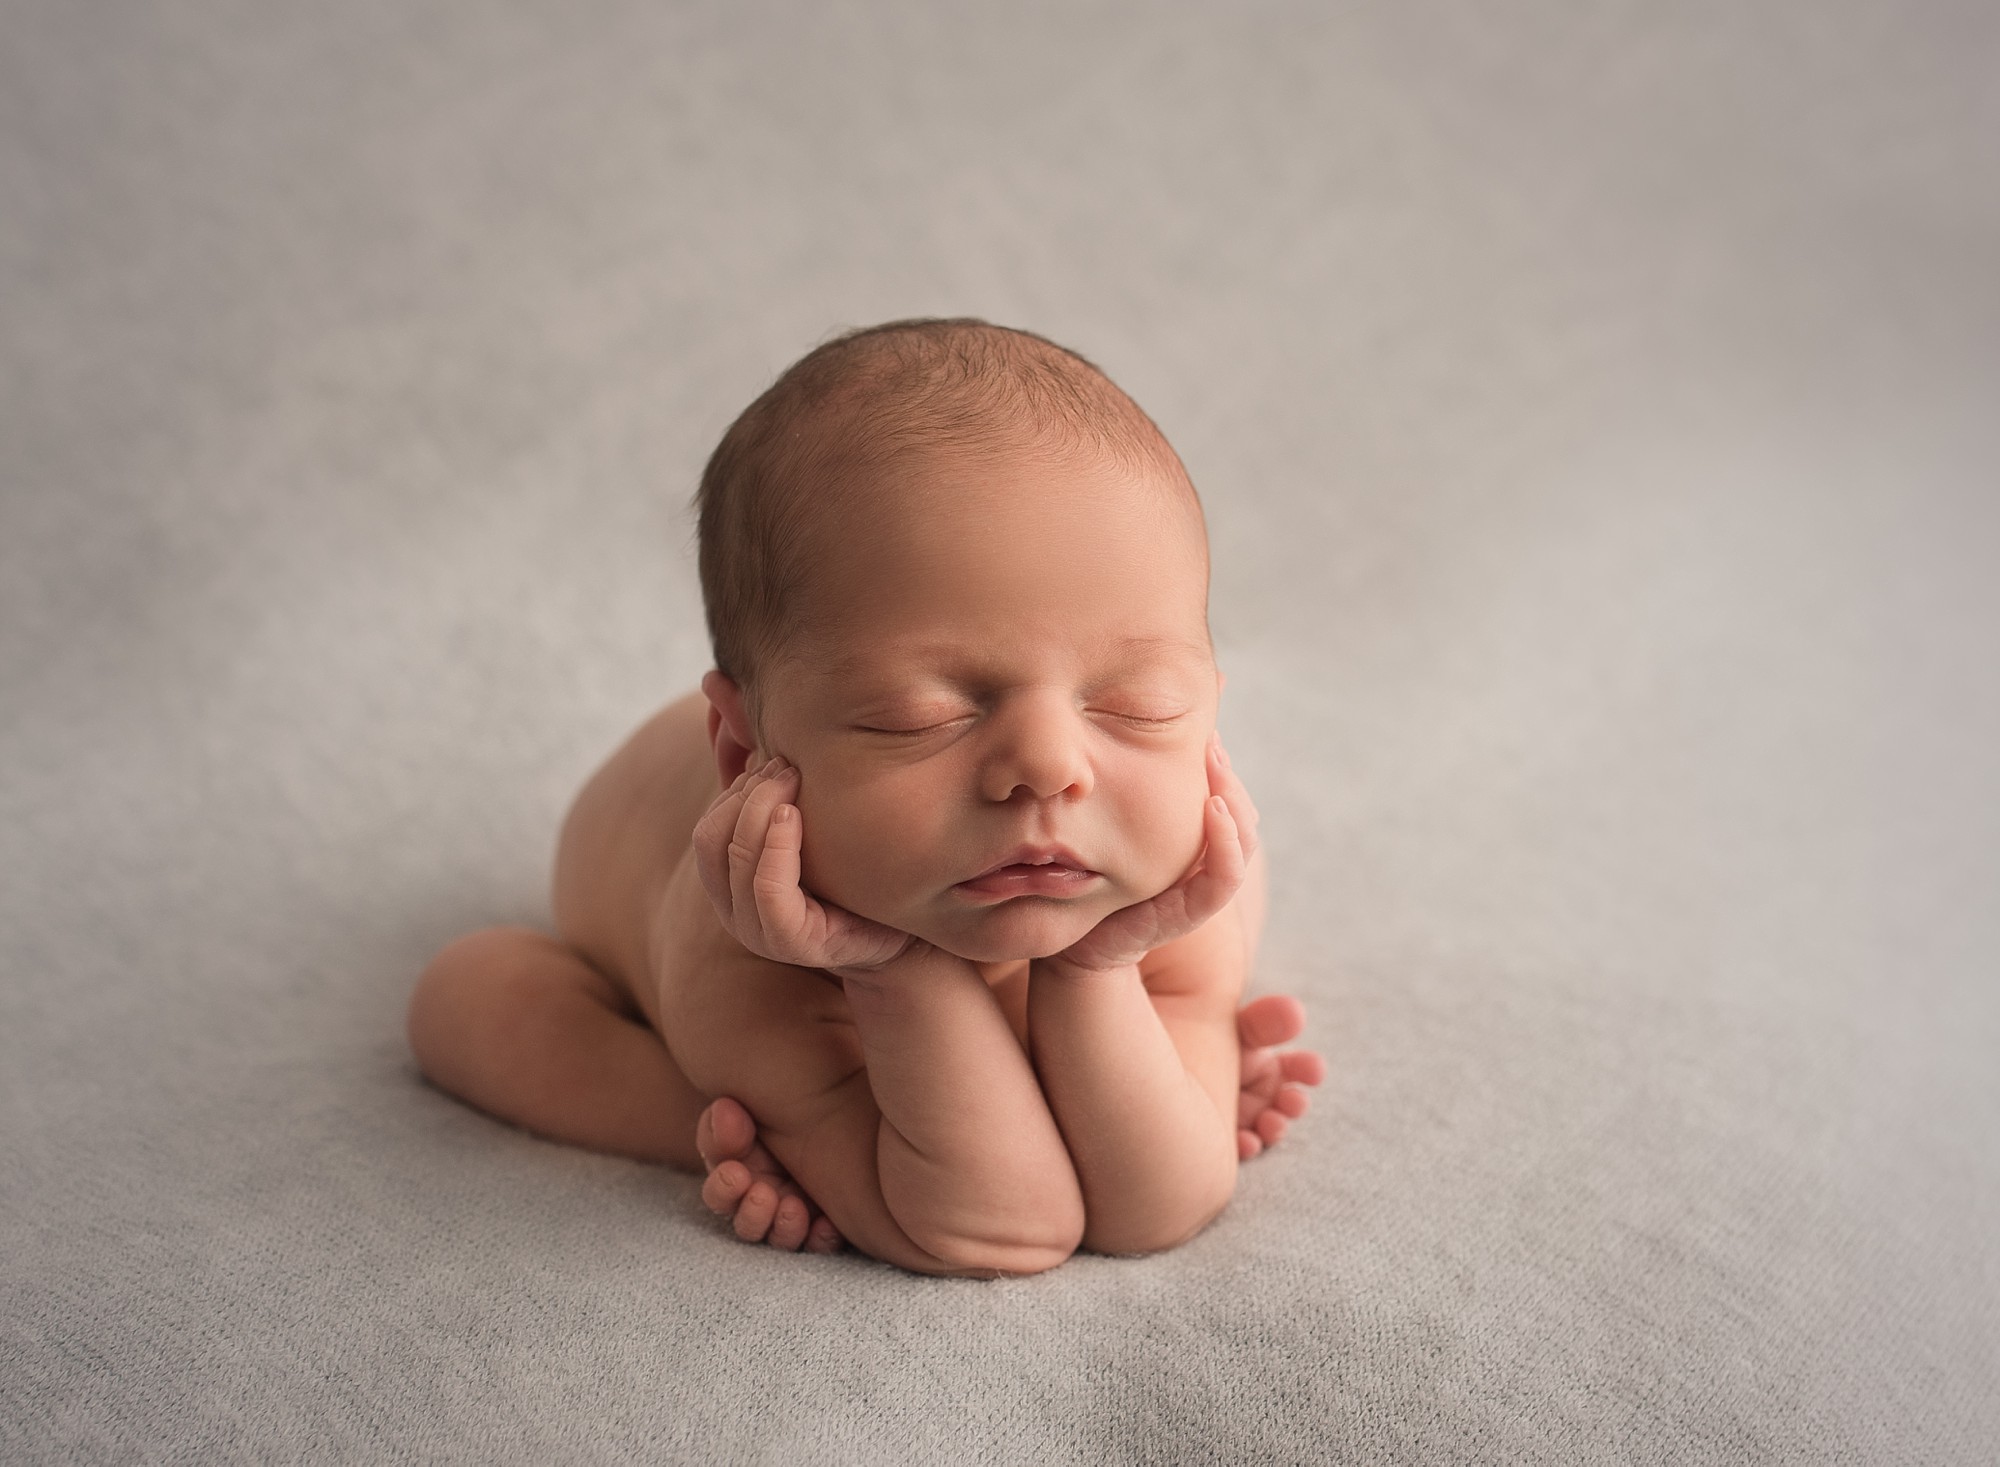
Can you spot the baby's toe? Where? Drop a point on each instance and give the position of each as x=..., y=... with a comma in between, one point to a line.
x=725, y=1187
x=753, y=1217
x=1248, y=1144
x=1251, y=1104
x=824, y=1237
x=1292, y=1101
x=724, y=1131
x=1270, y=1126
x=788, y=1228
x=1276, y=1018
x=1302, y=1066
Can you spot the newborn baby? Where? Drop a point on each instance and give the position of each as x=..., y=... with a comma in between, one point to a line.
x=925, y=924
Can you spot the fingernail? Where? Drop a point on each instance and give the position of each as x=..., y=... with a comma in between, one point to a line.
x=782, y=815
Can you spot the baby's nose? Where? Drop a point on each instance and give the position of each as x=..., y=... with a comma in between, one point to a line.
x=1038, y=754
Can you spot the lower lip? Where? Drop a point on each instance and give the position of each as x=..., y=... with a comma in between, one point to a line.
x=1020, y=881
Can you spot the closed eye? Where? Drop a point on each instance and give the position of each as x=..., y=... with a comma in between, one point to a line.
x=906, y=733
x=1139, y=721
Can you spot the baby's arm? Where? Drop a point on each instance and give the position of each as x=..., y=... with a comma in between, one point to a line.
x=1141, y=1070
x=938, y=1152
x=747, y=1185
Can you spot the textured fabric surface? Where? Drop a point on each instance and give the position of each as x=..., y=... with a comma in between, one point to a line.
x=1593, y=407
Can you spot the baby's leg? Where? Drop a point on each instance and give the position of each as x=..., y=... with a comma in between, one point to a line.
x=520, y=1025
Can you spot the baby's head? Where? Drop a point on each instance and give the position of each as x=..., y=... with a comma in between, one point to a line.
x=960, y=581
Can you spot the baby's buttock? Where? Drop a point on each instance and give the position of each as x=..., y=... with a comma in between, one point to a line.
x=626, y=836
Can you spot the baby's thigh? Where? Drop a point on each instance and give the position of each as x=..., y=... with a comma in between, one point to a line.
x=524, y=1027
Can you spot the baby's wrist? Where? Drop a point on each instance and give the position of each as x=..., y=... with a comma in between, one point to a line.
x=918, y=961
x=1061, y=969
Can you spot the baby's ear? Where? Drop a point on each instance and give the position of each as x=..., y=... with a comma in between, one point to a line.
x=729, y=733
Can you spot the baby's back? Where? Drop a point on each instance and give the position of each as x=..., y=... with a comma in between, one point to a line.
x=626, y=837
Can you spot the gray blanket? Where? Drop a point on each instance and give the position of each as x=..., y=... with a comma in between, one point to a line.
x=1595, y=417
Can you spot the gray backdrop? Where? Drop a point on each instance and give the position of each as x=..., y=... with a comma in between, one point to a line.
x=1593, y=406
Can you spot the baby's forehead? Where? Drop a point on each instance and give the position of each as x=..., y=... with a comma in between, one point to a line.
x=937, y=481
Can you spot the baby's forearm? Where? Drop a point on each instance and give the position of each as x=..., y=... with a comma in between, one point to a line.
x=971, y=1163
x=1155, y=1159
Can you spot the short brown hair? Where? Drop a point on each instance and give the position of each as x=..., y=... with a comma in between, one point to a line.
x=856, y=401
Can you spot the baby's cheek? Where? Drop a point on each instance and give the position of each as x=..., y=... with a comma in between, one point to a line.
x=846, y=856
x=823, y=857
x=1173, y=827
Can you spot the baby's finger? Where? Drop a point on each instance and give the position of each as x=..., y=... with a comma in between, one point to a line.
x=1222, y=781
x=783, y=909
x=1223, y=866
x=711, y=845
x=746, y=846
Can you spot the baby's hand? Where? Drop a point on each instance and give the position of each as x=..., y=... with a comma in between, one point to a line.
x=1229, y=822
x=747, y=849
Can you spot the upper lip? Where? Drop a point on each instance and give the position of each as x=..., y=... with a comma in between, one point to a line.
x=1036, y=856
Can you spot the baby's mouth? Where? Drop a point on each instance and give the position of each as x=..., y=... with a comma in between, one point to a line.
x=1057, y=873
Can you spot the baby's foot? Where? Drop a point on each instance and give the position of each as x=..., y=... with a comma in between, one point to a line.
x=1273, y=1084
x=746, y=1183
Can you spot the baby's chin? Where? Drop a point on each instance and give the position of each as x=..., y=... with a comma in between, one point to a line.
x=1026, y=927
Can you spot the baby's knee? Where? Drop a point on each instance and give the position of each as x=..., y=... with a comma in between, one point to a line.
x=458, y=989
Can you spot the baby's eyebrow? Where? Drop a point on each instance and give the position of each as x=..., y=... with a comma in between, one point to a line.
x=1140, y=644
x=1125, y=650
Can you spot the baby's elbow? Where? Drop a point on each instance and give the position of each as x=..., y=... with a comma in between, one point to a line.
x=1161, y=1230
x=996, y=1256
x=989, y=1262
